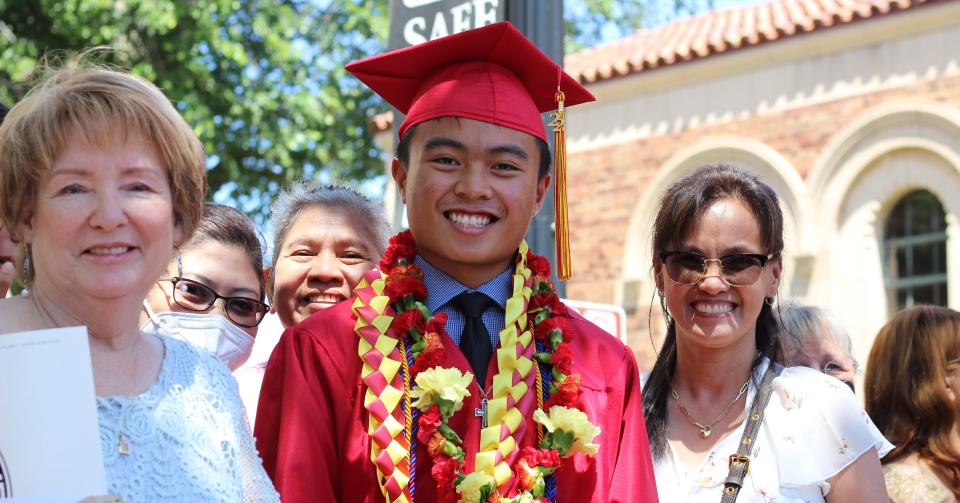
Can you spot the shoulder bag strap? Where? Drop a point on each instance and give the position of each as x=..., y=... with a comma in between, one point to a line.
x=740, y=462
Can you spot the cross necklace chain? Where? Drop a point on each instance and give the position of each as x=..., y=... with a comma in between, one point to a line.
x=706, y=429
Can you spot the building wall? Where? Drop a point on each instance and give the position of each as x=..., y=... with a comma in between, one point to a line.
x=841, y=122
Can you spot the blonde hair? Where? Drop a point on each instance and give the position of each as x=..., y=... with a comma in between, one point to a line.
x=98, y=103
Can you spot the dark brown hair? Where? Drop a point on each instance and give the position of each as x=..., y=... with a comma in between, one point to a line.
x=229, y=226
x=679, y=212
x=906, y=390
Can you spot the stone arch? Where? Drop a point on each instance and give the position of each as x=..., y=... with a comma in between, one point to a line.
x=882, y=129
x=852, y=268
x=862, y=173
x=751, y=155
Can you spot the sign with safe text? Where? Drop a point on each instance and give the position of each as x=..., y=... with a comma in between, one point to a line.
x=413, y=22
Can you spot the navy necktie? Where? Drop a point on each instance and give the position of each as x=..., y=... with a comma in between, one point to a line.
x=475, y=340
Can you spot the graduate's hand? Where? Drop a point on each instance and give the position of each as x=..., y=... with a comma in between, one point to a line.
x=7, y=272
x=107, y=498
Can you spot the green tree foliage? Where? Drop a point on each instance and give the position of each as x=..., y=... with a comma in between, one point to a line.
x=261, y=81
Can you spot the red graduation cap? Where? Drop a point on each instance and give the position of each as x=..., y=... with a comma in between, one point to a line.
x=491, y=74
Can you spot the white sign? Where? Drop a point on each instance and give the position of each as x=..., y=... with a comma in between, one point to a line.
x=612, y=319
x=49, y=432
x=414, y=22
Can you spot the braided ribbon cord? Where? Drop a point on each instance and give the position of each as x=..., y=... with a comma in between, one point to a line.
x=515, y=377
x=385, y=389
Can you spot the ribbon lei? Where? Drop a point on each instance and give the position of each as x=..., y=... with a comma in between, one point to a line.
x=564, y=268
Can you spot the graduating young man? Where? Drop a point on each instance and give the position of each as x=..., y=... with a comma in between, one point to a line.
x=455, y=373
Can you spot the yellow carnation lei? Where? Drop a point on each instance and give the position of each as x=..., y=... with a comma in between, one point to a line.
x=469, y=488
x=572, y=421
x=440, y=383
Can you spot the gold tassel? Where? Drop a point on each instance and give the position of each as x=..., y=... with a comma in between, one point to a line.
x=562, y=231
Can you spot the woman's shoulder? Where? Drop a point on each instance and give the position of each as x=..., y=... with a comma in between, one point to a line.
x=810, y=401
x=908, y=481
x=817, y=427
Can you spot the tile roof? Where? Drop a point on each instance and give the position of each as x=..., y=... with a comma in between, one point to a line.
x=722, y=31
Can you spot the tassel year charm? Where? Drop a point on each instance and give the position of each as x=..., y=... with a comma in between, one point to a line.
x=562, y=231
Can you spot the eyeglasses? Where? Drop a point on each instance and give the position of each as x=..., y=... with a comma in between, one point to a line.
x=738, y=269
x=196, y=296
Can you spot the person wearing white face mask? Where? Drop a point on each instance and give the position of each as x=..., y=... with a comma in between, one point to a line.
x=212, y=293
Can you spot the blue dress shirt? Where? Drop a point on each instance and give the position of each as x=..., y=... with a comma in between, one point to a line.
x=441, y=288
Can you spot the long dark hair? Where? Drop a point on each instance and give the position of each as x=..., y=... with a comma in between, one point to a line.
x=906, y=389
x=680, y=210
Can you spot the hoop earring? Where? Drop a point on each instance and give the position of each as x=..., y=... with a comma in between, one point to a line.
x=770, y=300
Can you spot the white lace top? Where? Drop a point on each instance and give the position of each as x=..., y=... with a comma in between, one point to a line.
x=185, y=439
x=813, y=428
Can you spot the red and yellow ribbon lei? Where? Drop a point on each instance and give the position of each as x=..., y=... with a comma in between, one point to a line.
x=396, y=292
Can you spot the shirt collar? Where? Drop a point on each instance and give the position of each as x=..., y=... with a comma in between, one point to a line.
x=441, y=287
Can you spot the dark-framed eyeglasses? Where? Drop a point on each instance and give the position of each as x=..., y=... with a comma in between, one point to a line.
x=196, y=296
x=737, y=269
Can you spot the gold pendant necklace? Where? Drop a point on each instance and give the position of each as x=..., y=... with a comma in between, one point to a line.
x=707, y=429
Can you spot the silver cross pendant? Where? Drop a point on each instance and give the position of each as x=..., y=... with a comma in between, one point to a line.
x=481, y=412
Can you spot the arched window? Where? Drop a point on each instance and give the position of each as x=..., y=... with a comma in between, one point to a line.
x=915, y=243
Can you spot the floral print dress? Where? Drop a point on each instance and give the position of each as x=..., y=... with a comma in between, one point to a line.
x=813, y=428
x=908, y=482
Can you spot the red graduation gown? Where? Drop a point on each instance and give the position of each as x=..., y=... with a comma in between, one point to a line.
x=311, y=426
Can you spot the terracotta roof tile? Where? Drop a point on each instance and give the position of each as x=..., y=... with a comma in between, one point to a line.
x=722, y=31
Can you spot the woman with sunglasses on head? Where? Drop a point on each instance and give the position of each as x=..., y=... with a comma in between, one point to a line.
x=912, y=389
x=100, y=179
x=212, y=293
x=726, y=422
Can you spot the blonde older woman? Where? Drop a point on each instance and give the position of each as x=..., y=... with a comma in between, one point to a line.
x=99, y=178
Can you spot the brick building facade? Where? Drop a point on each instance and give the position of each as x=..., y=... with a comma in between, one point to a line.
x=844, y=108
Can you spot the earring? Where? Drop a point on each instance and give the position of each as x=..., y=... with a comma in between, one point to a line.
x=26, y=268
x=770, y=300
